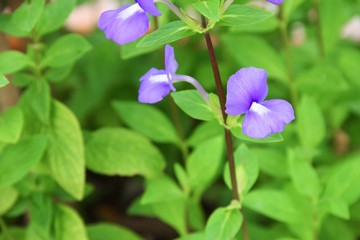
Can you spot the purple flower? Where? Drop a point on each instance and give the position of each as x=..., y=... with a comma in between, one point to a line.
x=128, y=23
x=276, y=1
x=156, y=84
x=246, y=91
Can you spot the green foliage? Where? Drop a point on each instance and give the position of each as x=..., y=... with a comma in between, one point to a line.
x=207, y=156
x=66, y=50
x=13, y=61
x=132, y=114
x=8, y=197
x=11, y=124
x=126, y=153
x=192, y=103
x=238, y=15
x=54, y=15
x=310, y=123
x=166, y=34
x=247, y=169
x=68, y=224
x=223, y=223
x=65, y=153
x=210, y=9
x=300, y=184
x=110, y=232
x=16, y=160
x=26, y=16
x=251, y=47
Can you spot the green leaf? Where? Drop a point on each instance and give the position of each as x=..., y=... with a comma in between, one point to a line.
x=8, y=197
x=275, y=204
x=101, y=231
x=7, y=26
x=322, y=79
x=205, y=131
x=335, y=206
x=3, y=81
x=272, y=161
x=166, y=34
x=26, y=16
x=161, y=189
x=348, y=62
x=303, y=175
x=41, y=215
x=237, y=132
x=310, y=123
x=193, y=236
x=68, y=224
x=54, y=15
x=65, y=154
x=333, y=227
x=15, y=233
x=11, y=125
x=39, y=96
x=251, y=47
x=192, y=103
x=344, y=181
x=209, y=8
x=268, y=25
x=18, y=159
x=332, y=17
x=66, y=50
x=247, y=169
x=238, y=15
x=290, y=7
x=130, y=50
x=119, y=151
x=206, y=157
x=182, y=177
x=223, y=223
x=166, y=201
x=13, y=61
x=59, y=73
x=141, y=117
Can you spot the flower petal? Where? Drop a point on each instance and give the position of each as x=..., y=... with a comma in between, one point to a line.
x=276, y=1
x=171, y=64
x=149, y=6
x=281, y=109
x=267, y=118
x=124, y=25
x=154, y=86
x=246, y=86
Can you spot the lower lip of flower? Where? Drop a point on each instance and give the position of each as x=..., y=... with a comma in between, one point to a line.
x=258, y=108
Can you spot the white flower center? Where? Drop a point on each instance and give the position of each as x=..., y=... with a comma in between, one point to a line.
x=128, y=12
x=259, y=109
x=159, y=78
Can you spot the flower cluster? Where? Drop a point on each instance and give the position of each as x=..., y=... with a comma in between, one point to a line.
x=246, y=89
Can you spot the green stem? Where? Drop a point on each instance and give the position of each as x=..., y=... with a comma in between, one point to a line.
x=228, y=137
x=288, y=58
x=5, y=230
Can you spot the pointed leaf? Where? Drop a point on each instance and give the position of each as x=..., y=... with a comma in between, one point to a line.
x=68, y=224
x=117, y=151
x=166, y=34
x=65, y=154
x=238, y=15
x=142, y=117
x=26, y=16
x=109, y=231
x=18, y=159
x=11, y=125
x=191, y=102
